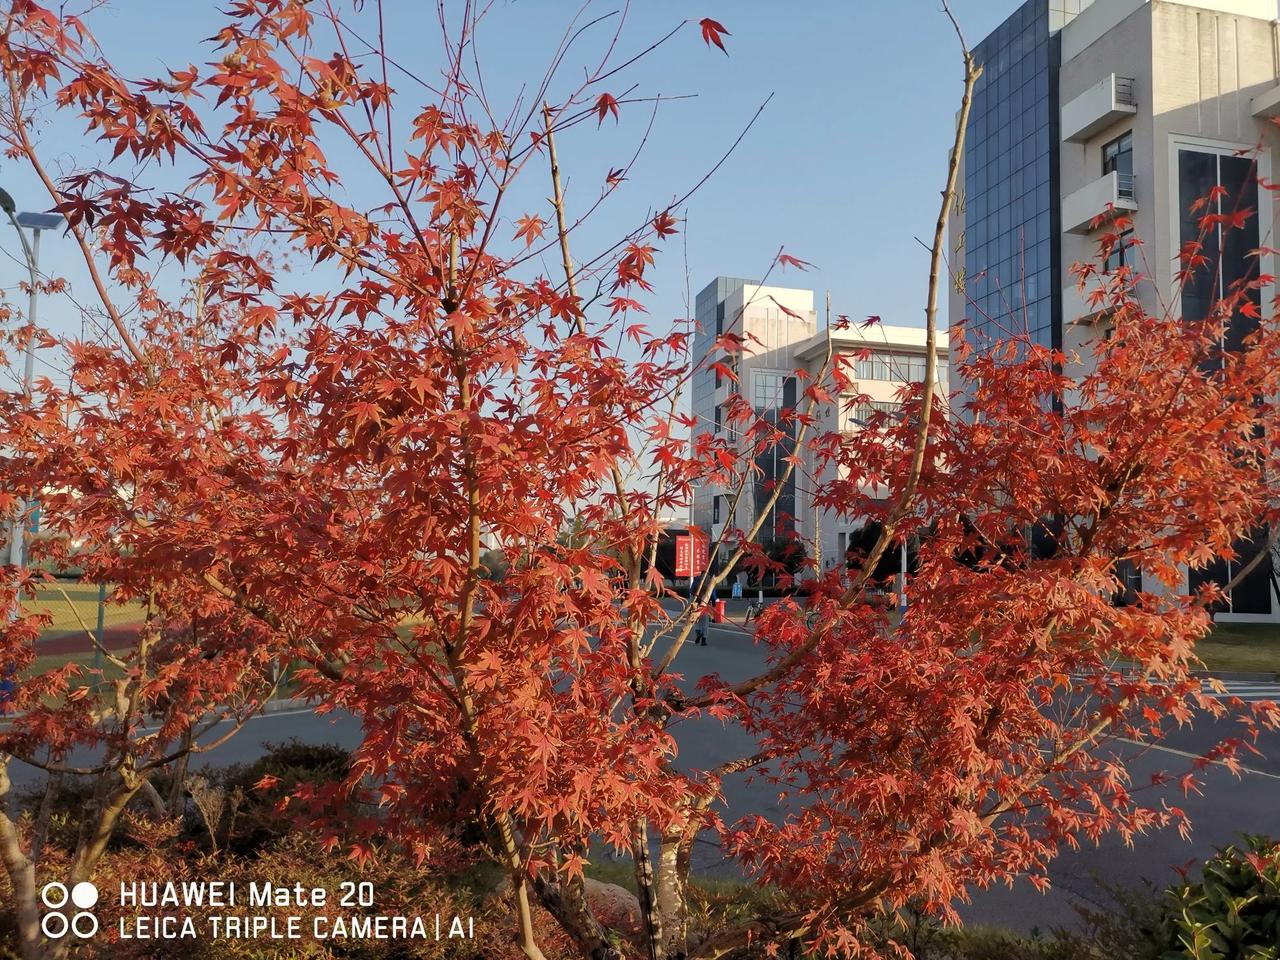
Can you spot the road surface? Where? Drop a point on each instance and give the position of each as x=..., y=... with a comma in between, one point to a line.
x=1228, y=807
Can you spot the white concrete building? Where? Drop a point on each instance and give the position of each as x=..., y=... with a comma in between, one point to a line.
x=783, y=335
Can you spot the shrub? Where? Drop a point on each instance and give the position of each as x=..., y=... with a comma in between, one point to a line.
x=286, y=766
x=1231, y=913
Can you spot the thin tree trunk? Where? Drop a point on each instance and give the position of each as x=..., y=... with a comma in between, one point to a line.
x=650, y=916
x=41, y=833
x=22, y=875
x=673, y=904
x=177, y=789
x=567, y=903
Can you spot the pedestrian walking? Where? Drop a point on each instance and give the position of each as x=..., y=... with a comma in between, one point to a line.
x=700, y=638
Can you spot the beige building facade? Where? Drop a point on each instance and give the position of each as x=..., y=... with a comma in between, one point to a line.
x=1089, y=111
x=1164, y=103
x=784, y=338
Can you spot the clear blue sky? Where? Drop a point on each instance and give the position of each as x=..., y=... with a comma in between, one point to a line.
x=843, y=168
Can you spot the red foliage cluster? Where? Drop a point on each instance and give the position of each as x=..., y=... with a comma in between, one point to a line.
x=306, y=467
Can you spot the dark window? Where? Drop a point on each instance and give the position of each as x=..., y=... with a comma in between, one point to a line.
x=1253, y=593
x=1197, y=176
x=715, y=509
x=1117, y=156
x=1129, y=578
x=1240, y=184
x=1226, y=250
x=1119, y=255
x=776, y=394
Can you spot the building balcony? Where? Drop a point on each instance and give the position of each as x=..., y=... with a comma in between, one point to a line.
x=1100, y=106
x=1113, y=193
x=1266, y=106
x=1077, y=306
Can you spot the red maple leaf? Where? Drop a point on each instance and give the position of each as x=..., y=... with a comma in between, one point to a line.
x=787, y=260
x=530, y=228
x=606, y=105
x=712, y=31
x=664, y=224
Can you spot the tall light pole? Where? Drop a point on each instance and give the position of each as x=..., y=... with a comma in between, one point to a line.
x=36, y=223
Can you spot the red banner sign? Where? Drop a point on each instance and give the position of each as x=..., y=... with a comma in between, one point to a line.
x=691, y=556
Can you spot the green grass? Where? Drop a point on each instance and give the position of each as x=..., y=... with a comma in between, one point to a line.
x=85, y=660
x=73, y=606
x=1247, y=647
x=109, y=672
x=622, y=873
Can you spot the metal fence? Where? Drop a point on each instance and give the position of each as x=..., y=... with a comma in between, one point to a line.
x=77, y=609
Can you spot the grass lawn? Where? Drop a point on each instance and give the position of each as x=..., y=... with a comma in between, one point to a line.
x=85, y=660
x=109, y=672
x=73, y=606
x=1253, y=647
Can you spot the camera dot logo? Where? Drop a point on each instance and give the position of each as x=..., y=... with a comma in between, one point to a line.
x=60, y=902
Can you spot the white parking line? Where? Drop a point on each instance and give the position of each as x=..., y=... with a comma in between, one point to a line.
x=1253, y=691
x=1192, y=756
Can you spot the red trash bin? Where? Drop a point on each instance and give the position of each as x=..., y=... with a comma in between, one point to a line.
x=718, y=615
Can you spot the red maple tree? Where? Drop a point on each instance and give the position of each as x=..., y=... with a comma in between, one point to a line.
x=330, y=386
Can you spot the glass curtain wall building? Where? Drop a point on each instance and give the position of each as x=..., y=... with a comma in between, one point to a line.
x=1009, y=207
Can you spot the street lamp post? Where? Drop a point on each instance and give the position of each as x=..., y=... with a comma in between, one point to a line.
x=36, y=223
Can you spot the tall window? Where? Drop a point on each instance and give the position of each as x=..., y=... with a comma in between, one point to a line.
x=1008, y=206
x=1226, y=250
x=1117, y=156
x=770, y=390
x=715, y=509
x=1119, y=255
x=1230, y=184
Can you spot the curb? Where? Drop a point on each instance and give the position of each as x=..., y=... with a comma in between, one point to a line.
x=291, y=703
x=1236, y=676
x=270, y=707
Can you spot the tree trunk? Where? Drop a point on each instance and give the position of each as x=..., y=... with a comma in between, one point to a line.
x=650, y=918
x=177, y=789
x=673, y=906
x=22, y=875
x=99, y=824
x=567, y=902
